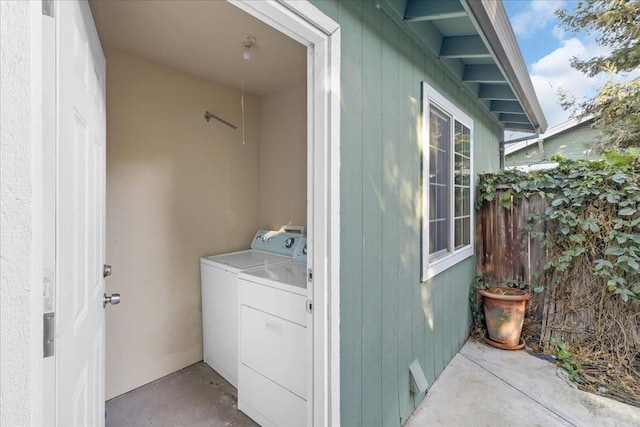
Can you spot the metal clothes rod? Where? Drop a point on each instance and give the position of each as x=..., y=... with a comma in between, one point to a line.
x=208, y=116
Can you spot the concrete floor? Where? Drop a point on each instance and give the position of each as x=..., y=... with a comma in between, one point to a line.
x=485, y=386
x=482, y=386
x=193, y=396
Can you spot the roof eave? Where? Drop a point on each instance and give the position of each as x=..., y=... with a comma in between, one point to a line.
x=494, y=26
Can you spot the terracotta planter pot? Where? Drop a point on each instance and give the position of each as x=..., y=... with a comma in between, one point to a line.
x=504, y=312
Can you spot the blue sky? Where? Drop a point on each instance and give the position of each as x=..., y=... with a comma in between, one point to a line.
x=547, y=50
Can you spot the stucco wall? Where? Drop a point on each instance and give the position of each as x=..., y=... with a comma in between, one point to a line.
x=283, y=158
x=178, y=188
x=20, y=215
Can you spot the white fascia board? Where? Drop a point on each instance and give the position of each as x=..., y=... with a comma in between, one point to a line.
x=510, y=149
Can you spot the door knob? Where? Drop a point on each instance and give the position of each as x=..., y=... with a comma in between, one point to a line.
x=112, y=299
x=106, y=270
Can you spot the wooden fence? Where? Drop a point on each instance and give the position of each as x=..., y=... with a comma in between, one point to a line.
x=504, y=247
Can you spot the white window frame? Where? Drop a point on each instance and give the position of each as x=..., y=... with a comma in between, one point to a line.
x=432, y=267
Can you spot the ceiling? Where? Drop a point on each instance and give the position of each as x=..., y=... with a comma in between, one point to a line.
x=203, y=38
x=475, y=41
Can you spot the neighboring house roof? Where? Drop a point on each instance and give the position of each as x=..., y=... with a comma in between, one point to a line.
x=476, y=43
x=550, y=133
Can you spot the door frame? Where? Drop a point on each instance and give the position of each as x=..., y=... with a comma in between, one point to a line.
x=305, y=23
x=308, y=25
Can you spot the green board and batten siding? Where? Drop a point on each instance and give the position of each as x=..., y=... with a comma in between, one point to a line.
x=389, y=318
x=574, y=144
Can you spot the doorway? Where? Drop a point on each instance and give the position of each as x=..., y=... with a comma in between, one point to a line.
x=179, y=186
x=321, y=193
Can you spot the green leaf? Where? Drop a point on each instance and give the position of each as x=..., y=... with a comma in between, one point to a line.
x=627, y=211
x=506, y=199
x=601, y=263
x=591, y=224
x=619, y=178
x=563, y=354
x=616, y=159
x=615, y=250
x=624, y=293
x=613, y=198
x=577, y=238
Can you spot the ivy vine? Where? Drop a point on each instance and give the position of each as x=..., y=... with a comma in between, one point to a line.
x=592, y=216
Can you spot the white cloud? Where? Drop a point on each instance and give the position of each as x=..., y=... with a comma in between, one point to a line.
x=558, y=32
x=553, y=72
x=536, y=16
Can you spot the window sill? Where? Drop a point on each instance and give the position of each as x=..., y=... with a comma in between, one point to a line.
x=444, y=263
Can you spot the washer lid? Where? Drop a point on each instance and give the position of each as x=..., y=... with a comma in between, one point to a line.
x=244, y=260
x=289, y=274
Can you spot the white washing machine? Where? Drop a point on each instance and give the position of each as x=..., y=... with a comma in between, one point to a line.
x=219, y=282
x=274, y=342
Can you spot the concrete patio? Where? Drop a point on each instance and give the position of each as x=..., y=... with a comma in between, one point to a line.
x=484, y=386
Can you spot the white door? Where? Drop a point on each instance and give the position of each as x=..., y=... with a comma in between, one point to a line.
x=80, y=223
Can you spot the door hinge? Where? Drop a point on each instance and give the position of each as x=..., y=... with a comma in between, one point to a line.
x=48, y=335
x=47, y=7
x=310, y=275
x=309, y=306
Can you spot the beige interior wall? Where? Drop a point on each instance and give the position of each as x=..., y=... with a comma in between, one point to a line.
x=283, y=158
x=178, y=188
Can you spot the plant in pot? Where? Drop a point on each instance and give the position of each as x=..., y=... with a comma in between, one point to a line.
x=504, y=310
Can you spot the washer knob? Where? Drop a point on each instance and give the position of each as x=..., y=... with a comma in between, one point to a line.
x=289, y=242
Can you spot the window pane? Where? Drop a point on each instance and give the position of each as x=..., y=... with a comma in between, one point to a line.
x=442, y=171
x=443, y=236
x=433, y=163
x=442, y=195
x=466, y=172
x=433, y=237
x=463, y=139
x=458, y=234
x=438, y=202
x=439, y=180
x=467, y=231
x=467, y=142
x=462, y=201
x=439, y=150
x=433, y=201
x=459, y=138
x=462, y=232
x=438, y=236
x=462, y=170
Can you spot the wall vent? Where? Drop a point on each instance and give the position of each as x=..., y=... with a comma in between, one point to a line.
x=417, y=381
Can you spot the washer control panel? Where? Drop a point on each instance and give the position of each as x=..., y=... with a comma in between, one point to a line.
x=277, y=242
x=300, y=254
